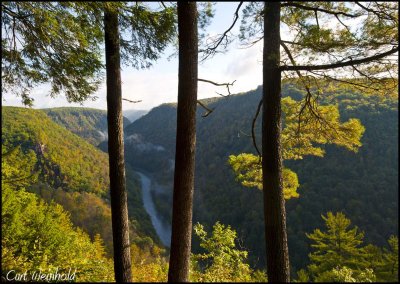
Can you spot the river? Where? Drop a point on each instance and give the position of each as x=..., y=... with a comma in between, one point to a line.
x=163, y=230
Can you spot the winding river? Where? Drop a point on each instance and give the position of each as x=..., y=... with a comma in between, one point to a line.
x=163, y=230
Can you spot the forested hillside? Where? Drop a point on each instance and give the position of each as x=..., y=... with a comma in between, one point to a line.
x=68, y=170
x=87, y=123
x=340, y=181
x=296, y=180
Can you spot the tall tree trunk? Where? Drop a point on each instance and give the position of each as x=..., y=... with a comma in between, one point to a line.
x=274, y=203
x=185, y=144
x=119, y=208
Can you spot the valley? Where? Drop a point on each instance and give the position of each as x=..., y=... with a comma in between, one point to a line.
x=341, y=181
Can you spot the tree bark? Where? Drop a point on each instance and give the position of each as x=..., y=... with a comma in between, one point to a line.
x=274, y=203
x=185, y=144
x=119, y=208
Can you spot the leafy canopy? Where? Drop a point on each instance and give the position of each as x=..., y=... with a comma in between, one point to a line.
x=339, y=255
x=60, y=43
x=304, y=132
x=221, y=261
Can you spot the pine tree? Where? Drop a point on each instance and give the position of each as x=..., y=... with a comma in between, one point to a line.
x=301, y=139
x=338, y=246
x=118, y=192
x=390, y=266
x=66, y=38
x=185, y=144
x=367, y=52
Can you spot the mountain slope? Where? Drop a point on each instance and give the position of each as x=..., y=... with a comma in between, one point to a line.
x=72, y=172
x=134, y=114
x=87, y=123
x=342, y=180
x=66, y=159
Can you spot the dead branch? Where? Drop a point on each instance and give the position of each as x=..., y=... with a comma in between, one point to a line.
x=212, y=48
x=134, y=102
x=253, y=125
x=206, y=108
x=227, y=85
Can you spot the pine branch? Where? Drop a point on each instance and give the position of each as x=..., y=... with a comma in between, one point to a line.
x=350, y=62
x=317, y=9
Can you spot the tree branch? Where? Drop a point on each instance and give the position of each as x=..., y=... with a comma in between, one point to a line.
x=134, y=102
x=379, y=14
x=313, y=110
x=14, y=14
x=253, y=125
x=316, y=9
x=350, y=62
x=218, y=84
x=212, y=50
x=206, y=108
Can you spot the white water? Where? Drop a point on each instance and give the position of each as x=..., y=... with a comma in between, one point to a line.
x=163, y=230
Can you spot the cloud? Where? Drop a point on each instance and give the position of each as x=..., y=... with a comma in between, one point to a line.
x=153, y=87
x=244, y=61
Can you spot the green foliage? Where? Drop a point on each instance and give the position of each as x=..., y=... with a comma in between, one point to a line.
x=145, y=33
x=59, y=43
x=338, y=255
x=222, y=261
x=69, y=171
x=40, y=236
x=304, y=131
x=341, y=181
x=325, y=33
x=90, y=124
x=247, y=168
x=86, y=210
x=338, y=246
x=17, y=167
x=149, y=264
x=50, y=42
x=93, y=214
x=389, y=271
x=64, y=159
x=345, y=274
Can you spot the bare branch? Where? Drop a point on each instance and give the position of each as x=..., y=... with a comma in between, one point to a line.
x=134, y=102
x=162, y=3
x=218, y=84
x=206, y=108
x=253, y=125
x=379, y=14
x=350, y=62
x=213, y=49
x=346, y=81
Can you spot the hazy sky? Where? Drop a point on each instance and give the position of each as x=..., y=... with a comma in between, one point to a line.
x=159, y=84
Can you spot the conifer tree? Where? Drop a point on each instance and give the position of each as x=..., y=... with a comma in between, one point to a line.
x=185, y=144
x=338, y=246
x=364, y=51
x=300, y=140
x=66, y=36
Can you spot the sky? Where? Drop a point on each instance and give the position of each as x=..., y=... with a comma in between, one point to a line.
x=159, y=84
